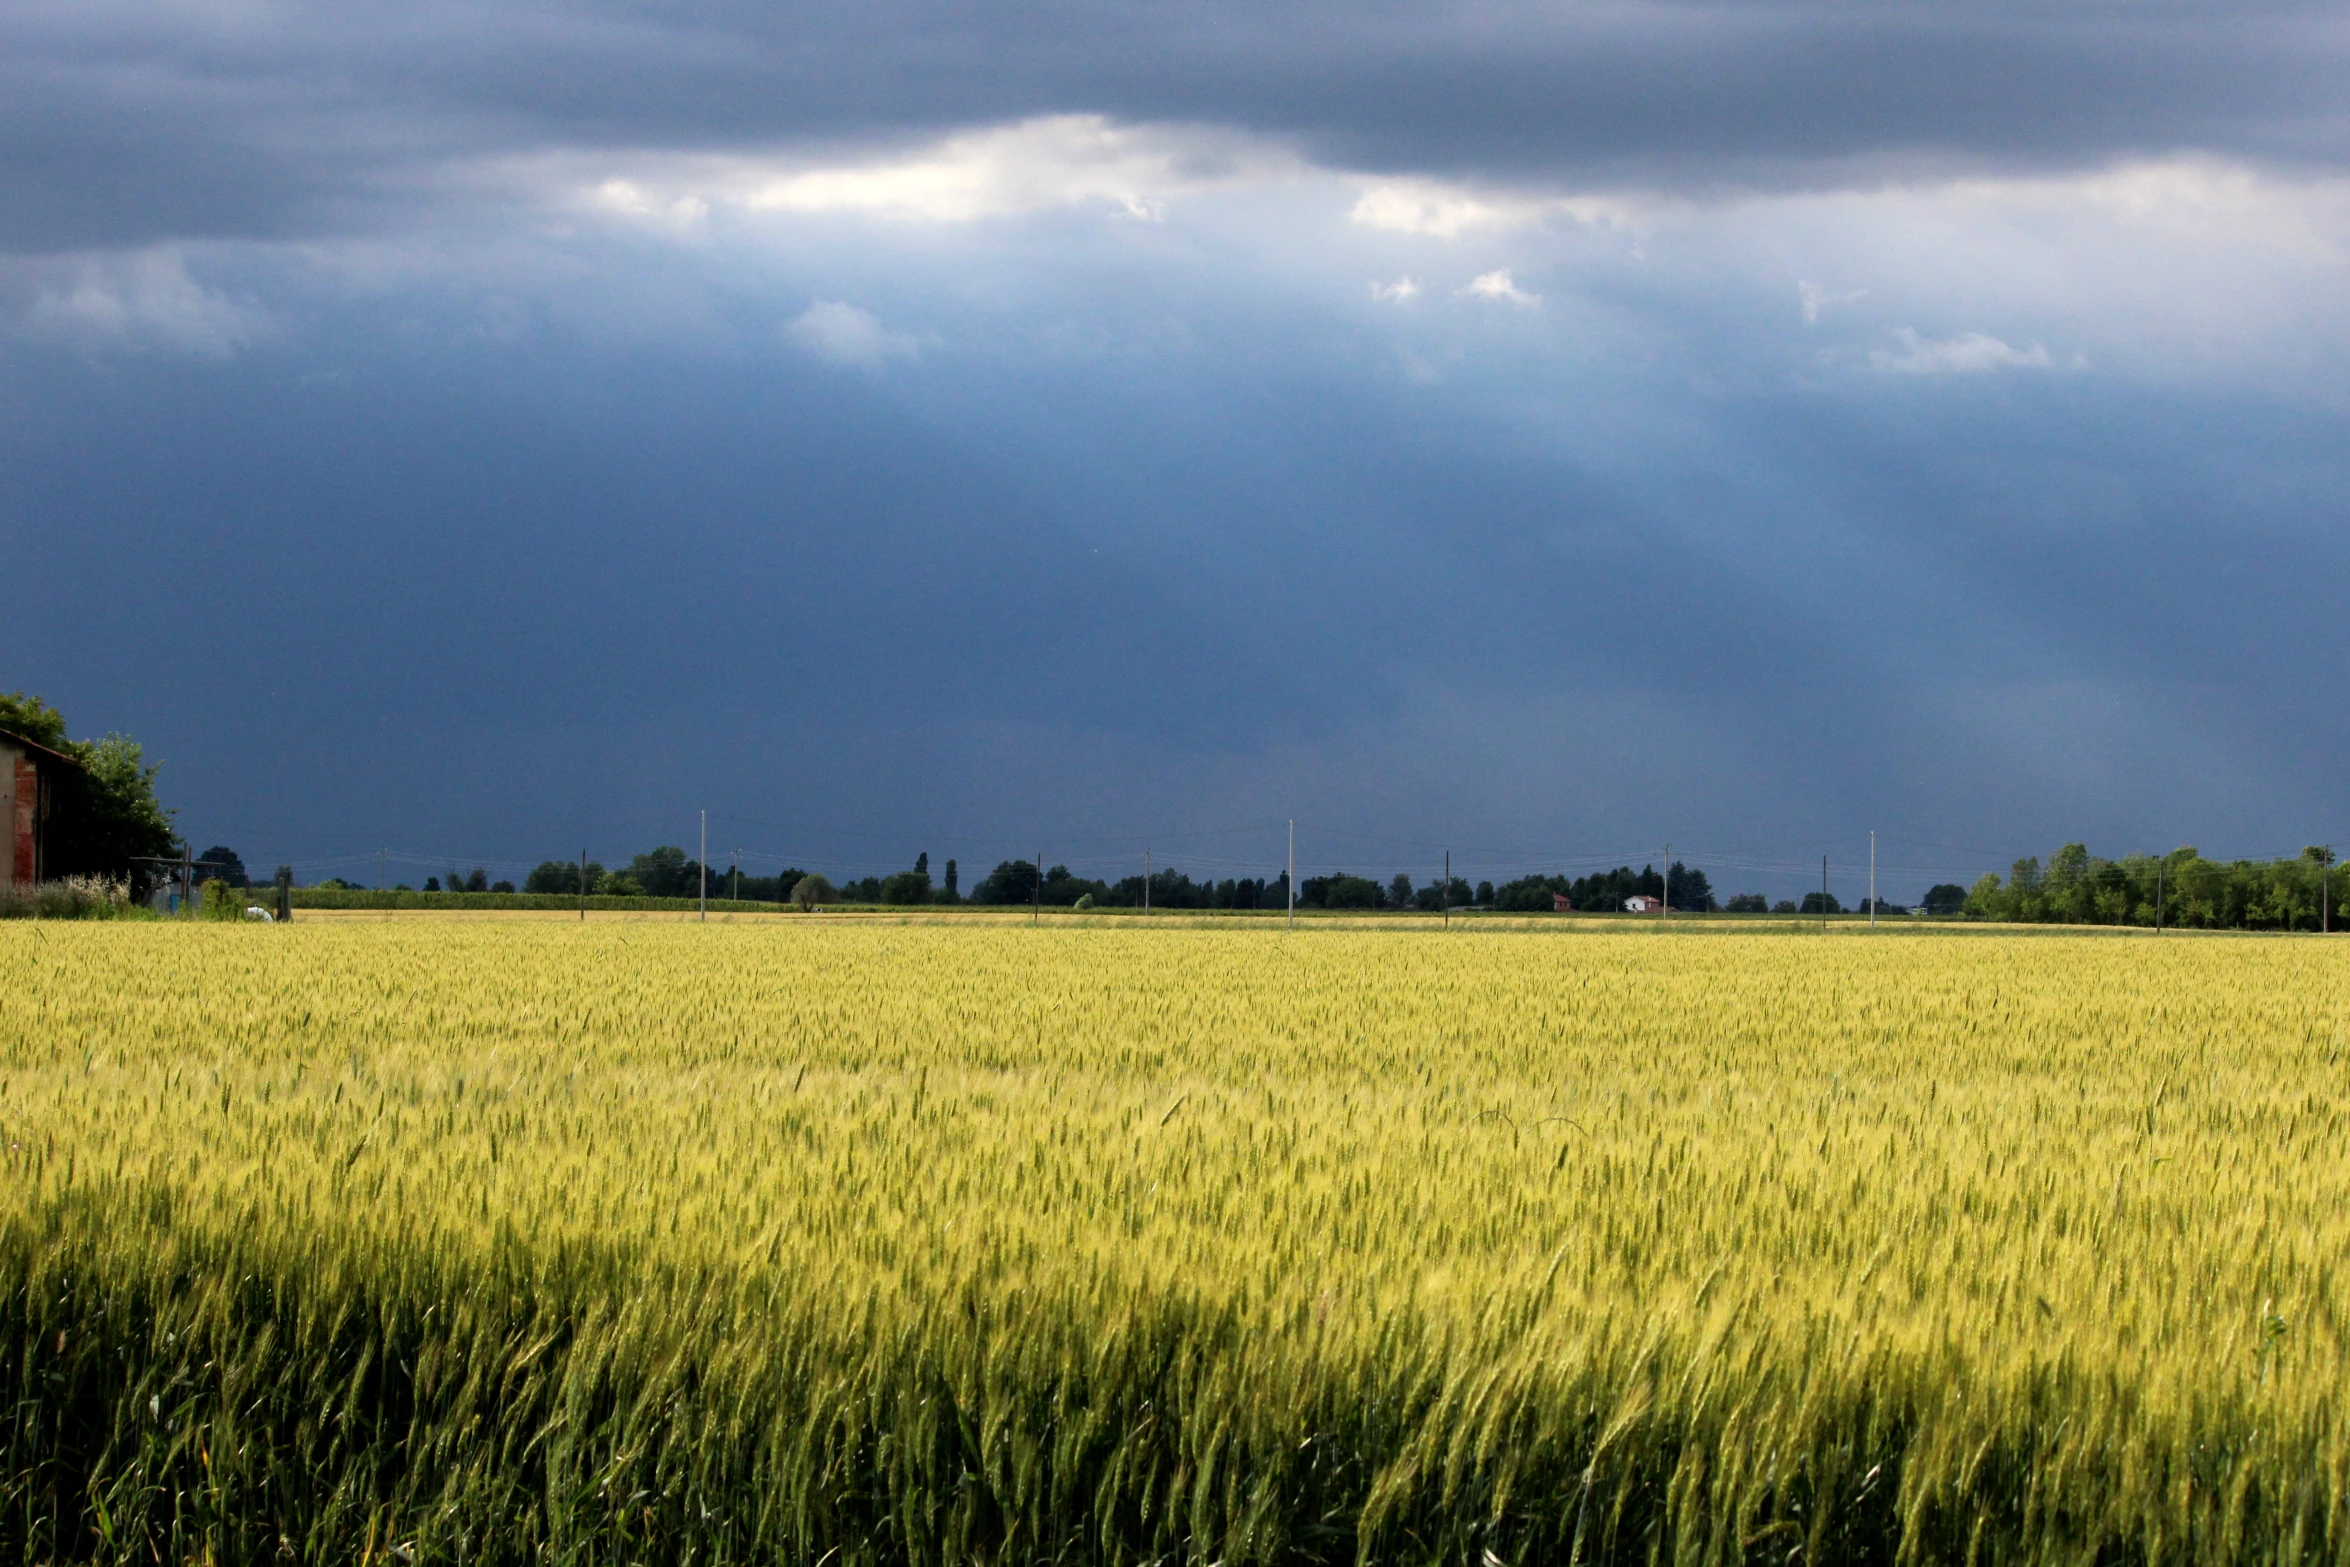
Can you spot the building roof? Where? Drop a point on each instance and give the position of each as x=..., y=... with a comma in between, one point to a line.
x=35, y=746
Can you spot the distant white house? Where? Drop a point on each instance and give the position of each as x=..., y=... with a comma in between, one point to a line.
x=1642, y=903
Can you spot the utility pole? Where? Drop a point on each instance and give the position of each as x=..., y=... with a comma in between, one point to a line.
x=1666, y=912
x=1146, y=881
x=2325, y=896
x=383, y=870
x=1448, y=889
x=1036, y=893
x=1293, y=873
x=2158, y=897
x=1823, y=895
x=583, y=884
x=1872, y=878
x=737, y=868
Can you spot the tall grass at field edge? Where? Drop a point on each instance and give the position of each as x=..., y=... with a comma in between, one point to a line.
x=186, y=1396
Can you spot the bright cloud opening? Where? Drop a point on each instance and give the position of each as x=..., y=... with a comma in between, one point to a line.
x=1970, y=353
x=1498, y=286
x=844, y=334
x=1068, y=160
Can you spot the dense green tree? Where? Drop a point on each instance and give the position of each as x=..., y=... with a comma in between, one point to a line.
x=2181, y=889
x=1169, y=889
x=108, y=815
x=1944, y=898
x=1241, y=892
x=1688, y=889
x=906, y=887
x=1012, y=881
x=1062, y=889
x=1748, y=903
x=1528, y=894
x=34, y=720
x=1015, y=882
x=1338, y=892
x=228, y=868
x=561, y=876
x=1432, y=897
x=666, y=872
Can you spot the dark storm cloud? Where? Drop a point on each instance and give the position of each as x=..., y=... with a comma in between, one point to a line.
x=471, y=596
x=126, y=124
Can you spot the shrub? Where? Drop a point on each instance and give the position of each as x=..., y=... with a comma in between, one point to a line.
x=217, y=900
x=71, y=898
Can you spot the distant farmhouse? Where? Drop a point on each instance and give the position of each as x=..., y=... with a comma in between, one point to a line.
x=1642, y=903
x=30, y=775
x=1560, y=903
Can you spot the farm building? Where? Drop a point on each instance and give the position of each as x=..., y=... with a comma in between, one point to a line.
x=1642, y=903
x=29, y=776
x=1560, y=903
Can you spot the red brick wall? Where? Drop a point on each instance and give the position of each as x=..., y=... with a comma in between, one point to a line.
x=23, y=867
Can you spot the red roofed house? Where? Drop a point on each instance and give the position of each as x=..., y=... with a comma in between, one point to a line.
x=1560, y=903
x=28, y=784
x=1642, y=903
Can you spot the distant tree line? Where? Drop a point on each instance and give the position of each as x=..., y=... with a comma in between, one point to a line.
x=2076, y=887
x=1680, y=886
x=668, y=872
x=1015, y=882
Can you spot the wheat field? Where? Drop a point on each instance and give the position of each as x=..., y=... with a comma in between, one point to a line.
x=439, y=1241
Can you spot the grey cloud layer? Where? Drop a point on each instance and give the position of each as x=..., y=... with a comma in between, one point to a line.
x=125, y=124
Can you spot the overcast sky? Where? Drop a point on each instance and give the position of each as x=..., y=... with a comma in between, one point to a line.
x=1547, y=430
